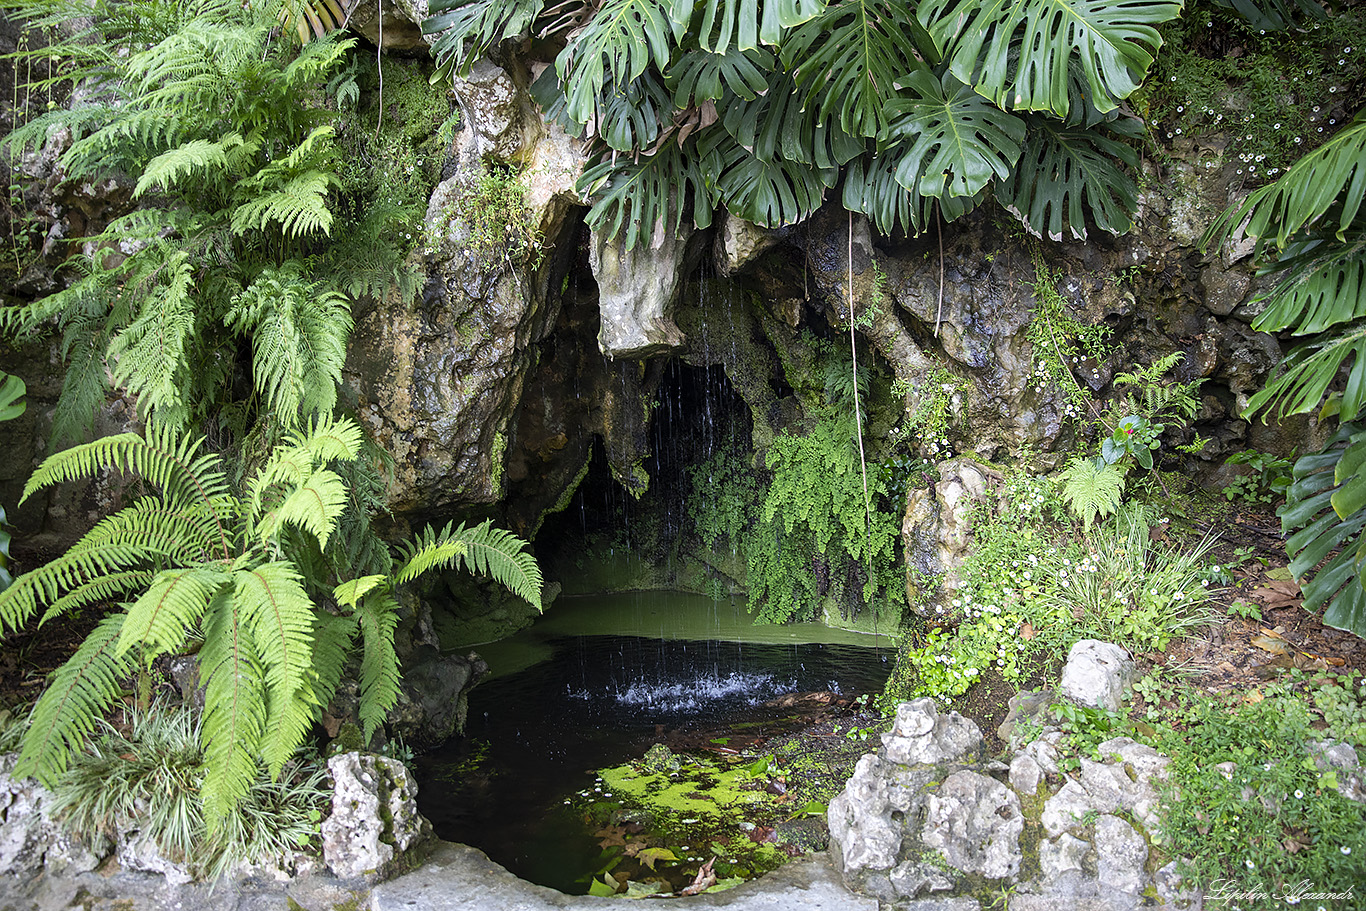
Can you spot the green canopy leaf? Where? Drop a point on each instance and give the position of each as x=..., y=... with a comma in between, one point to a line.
x=1065, y=174
x=743, y=24
x=1114, y=42
x=848, y=60
x=957, y=140
x=768, y=193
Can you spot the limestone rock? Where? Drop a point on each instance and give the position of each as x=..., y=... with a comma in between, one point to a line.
x=937, y=534
x=740, y=242
x=1062, y=855
x=922, y=736
x=1121, y=854
x=637, y=290
x=374, y=817
x=1097, y=674
x=137, y=851
x=975, y=822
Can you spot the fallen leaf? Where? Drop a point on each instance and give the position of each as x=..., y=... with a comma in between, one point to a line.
x=1227, y=667
x=1254, y=697
x=1273, y=645
x=1327, y=660
x=1282, y=593
x=1027, y=631
x=611, y=835
x=704, y=880
x=651, y=856
x=1279, y=573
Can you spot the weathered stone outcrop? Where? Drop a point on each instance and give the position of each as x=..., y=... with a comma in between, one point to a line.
x=439, y=378
x=374, y=821
x=922, y=824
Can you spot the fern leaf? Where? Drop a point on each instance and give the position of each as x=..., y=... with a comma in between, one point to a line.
x=112, y=586
x=1092, y=489
x=82, y=565
x=351, y=591
x=160, y=619
x=279, y=614
x=484, y=549
x=148, y=355
x=234, y=707
x=313, y=506
x=332, y=637
x=377, y=615
x=298, y=207
x=197, y=155
x=78, y=693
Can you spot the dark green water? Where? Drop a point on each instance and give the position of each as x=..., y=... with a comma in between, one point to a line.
x=594, y=684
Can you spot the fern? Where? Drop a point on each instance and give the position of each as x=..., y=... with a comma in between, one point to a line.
x=195, y=560
x=484, y=549
x=1092, y=488
x=80, y=691
x=379, y=681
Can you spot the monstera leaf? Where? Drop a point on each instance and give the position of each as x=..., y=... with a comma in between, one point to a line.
x=848, y=59
x=1273, y=15
x=468, y=28
x=631, y=116
x=1064, y=174
x=701, y=75
x=1327, y=504
x=742, y=23
x=1114, y=42
x=870, y=187
x=617, y=45
x=1308, y=371
x=12, y=402
x=1322, y=191
x=769, y=193
x=1324, y=286
x=646, y=196
x=776, y=125
x=956, y=142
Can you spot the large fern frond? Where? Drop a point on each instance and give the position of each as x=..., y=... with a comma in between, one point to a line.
x=377, y=614
x=234, y=706
x=79, y=693
x=313, y=506
x=161, y=618
x=149, y=355
x=171, y=462
x=484, y=549
x=194, y=158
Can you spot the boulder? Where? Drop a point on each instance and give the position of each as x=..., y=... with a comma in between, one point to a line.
x=374, y=822
x=1097, y=674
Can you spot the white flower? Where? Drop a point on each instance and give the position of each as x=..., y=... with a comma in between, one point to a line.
x=1299, y=795
x=1345, y=849
x=1249, y=864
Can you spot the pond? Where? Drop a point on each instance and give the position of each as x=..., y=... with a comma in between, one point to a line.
x=594, y=684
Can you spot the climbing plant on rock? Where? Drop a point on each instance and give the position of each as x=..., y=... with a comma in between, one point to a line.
x=765, y=107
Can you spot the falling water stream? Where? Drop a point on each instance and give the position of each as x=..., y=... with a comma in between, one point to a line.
x=593, y=684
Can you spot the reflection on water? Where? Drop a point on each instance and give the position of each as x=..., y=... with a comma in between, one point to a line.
x=575, y=701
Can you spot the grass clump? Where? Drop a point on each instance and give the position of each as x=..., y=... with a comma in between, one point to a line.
x=147, y=775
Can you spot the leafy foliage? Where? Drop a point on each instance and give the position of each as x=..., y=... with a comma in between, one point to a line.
x=196, y=560
x=771, y=100
x=1311, y=223
x=236, y=172
x=1092, y=488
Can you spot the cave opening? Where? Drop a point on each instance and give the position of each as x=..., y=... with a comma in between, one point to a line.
x=695, y=413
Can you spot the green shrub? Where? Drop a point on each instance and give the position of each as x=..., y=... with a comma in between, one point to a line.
x=1247, y=807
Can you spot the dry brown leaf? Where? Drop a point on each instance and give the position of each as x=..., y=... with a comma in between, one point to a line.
x=1281, y=593
x=1253, y=697
x=611, y=835
x=704, y=880
x=1274, y=645
x=1027, y=631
